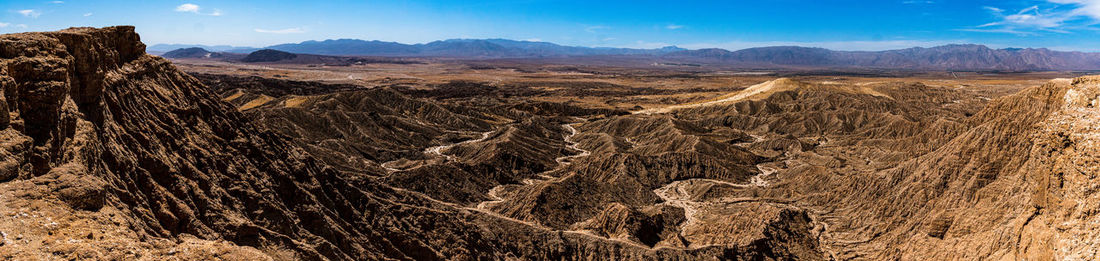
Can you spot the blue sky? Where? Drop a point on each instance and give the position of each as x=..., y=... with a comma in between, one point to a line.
x=836, y=24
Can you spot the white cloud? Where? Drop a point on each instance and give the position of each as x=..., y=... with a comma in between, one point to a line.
x=673, y=26
x=295, y=30
x=1089, y=8
x=57, y=2
x=188, y=7
x=29, y=13
x=1055, y=16
x=3, y=25
x=21, y=25
x=533, y=40
x=193, y=8
x=87, y=14
x=915, y=2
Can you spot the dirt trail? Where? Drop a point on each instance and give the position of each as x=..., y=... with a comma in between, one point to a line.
x=760, y=179
x=437, y=152
x=676, y=194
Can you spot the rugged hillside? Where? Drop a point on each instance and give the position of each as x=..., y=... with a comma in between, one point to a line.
x=906, y=171
x=110, y=153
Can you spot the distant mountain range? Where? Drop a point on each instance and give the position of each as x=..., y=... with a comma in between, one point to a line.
x=162, y=48
x=459, y=48
x=463, y=48
x=948, y=57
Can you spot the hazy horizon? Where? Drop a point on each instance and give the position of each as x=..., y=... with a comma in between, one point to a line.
x=778, y=44
x=1066, y=25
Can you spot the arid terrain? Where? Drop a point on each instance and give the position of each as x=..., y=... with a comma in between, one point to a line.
x=112, y=153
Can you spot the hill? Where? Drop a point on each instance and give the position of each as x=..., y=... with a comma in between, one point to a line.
x=268, y=55
x=193, y=52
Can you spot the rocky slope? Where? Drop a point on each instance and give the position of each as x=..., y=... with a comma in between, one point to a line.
x=110, y=153
x=931, y=182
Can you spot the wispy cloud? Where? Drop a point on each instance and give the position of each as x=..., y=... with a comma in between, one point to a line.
x=1054, y=16
x=997, y=30
x=29, y=13
x=594, y=28
x=673, y=26
x=295, y=30
x=6, y=25
x=1031, y=17
x=196, y=9
x=57, y=2
x=533, y=40
x=1089, y=8
x=917, y=2
x=87, y=14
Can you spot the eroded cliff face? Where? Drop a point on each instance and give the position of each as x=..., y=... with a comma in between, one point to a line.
x=110, y=153
x=1063, y=168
